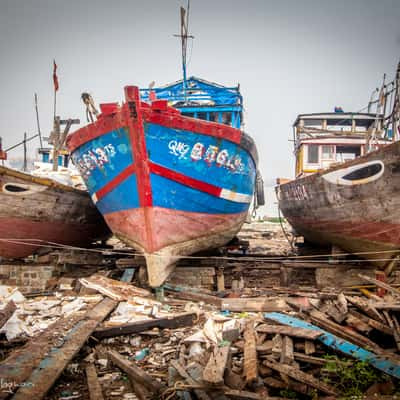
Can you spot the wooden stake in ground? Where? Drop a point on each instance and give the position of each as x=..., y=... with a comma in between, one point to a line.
x=95, y=392
x=213, y=373
x=250, y=353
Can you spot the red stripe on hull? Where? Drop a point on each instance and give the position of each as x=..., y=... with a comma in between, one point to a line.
x=185, y=180
x=53, y=231
x=128, y=171
x=168, y=226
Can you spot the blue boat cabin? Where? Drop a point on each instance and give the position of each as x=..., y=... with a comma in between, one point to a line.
x=198, y=98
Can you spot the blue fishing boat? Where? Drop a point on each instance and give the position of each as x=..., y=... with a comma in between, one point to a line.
x=170, y=169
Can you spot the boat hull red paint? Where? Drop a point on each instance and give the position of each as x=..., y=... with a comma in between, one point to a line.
x=36, y=212
x=360, y=218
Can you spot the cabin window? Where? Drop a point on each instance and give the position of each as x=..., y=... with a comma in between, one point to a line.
x=202, y=115
x=328, y=152
x=345, y=153
x=226, y=118
x=213, y=116
x=313, y=156
x=189, y=114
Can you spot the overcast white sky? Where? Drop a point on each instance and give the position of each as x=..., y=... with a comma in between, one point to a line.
x=290, y=57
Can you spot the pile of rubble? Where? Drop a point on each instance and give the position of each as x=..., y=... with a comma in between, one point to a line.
x=103, y=338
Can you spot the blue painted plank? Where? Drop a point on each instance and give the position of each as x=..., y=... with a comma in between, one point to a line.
x=128, y=275
x=379, y=362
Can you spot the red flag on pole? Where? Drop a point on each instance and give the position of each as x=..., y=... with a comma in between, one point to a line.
x=55, y=78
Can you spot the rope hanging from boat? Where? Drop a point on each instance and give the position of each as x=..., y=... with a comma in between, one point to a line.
x=90, y=107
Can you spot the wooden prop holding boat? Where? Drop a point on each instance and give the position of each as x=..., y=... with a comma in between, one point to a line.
x=347, y=186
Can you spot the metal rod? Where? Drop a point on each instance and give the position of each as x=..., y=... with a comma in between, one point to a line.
x=37, y=121
x=19, y=144
x=24, y=168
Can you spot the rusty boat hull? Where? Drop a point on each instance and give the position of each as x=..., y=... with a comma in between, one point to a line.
x=36, y=212
x=354, y=205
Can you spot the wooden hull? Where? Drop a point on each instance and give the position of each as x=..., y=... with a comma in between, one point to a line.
x=167, y=185
x=355, y=205
x=35, y=212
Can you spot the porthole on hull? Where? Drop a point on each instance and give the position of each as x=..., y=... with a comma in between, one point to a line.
x=359, y=174
x=19, y=189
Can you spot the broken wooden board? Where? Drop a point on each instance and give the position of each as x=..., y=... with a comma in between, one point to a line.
x=7, y=312
x=95, y=392
x=320, y=319
x=300, y=376
x=112, y=288
x=213, y=372
x=256, y=304
x=135, y=373
x=201, y=394
x=171, y=322
x=246, y=395
x=287, y=351
x=51, y=367
x=364, y=306
x=372, y=322
x=19, y=365
x=186, y=293
x=381, y=362
x=250, y=371
x=380, y=284
x=289, y=331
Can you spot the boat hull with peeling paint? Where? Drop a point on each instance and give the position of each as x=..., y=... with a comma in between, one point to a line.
x=354, y=205
x=37, y=212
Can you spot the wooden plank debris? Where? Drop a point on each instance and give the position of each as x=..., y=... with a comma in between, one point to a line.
x=214, y=371
x=287, y=351
x=52, y=366
x=201, y=394
x=250, y=371
x=95, y=392
x=381, y=362
x=18, y=367
x=171, y=322
x=112, y=288
x=300, y=376
x=185, y=293
x=380, y=284
x=244, y=394
x=309, y=347
x=256, y=304
x=364, y=306
x=396, y=334
x=7, y=312
x=135, y=373
x=372, y=322
x=320, y=319
x=288, y=331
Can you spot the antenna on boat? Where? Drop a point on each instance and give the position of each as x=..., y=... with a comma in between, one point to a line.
x=184, y=37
